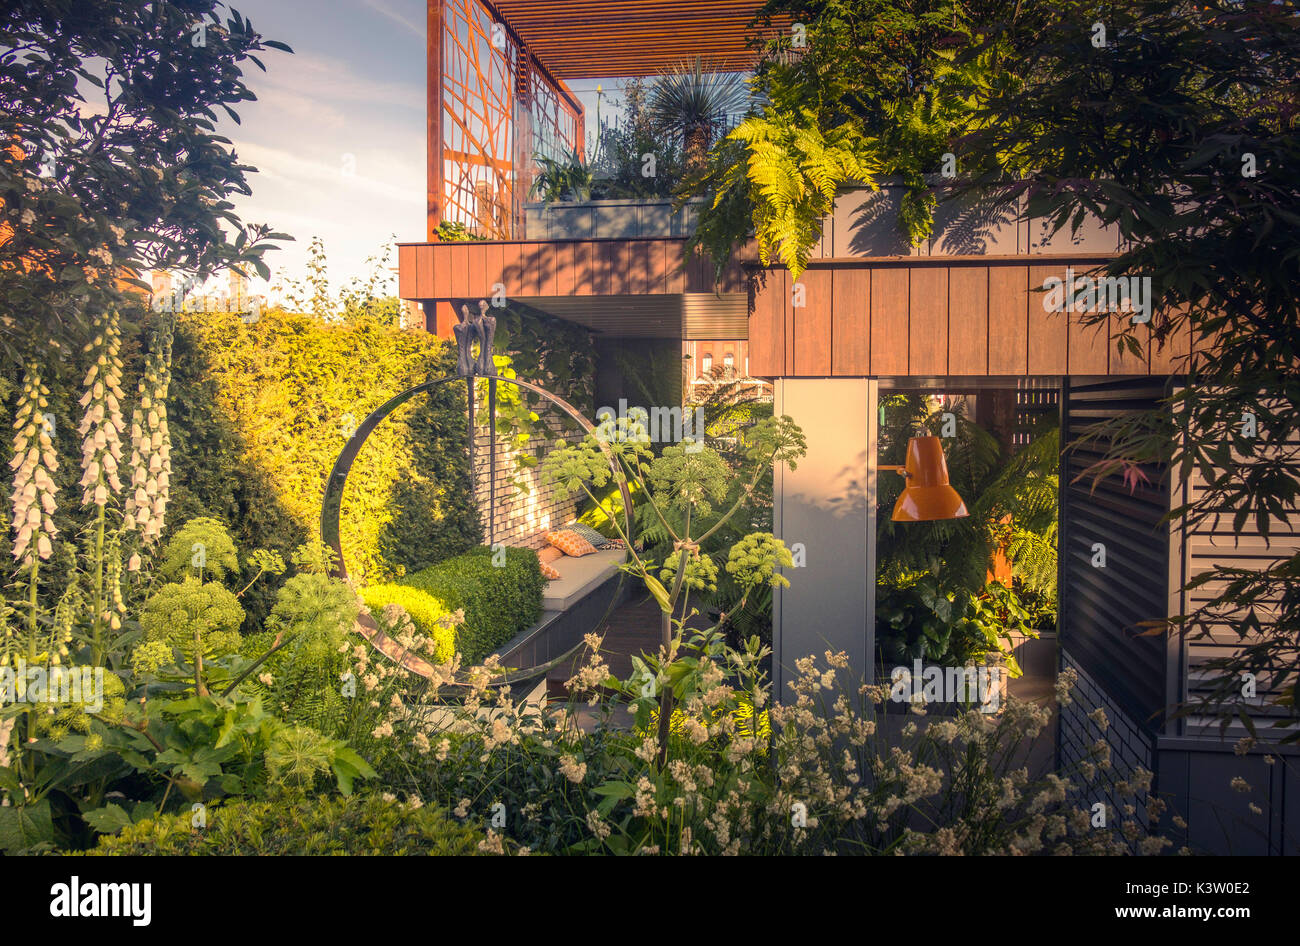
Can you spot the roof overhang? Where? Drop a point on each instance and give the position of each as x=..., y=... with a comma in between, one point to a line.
x=592, y=39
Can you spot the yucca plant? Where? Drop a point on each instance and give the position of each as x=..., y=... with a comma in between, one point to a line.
x=694, y=106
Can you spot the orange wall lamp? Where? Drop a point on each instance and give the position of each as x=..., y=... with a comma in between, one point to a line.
x=927, y=496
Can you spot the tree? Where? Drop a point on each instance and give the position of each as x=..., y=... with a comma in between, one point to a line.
x=1176, y=122
x=691, y=105
x=113, y=162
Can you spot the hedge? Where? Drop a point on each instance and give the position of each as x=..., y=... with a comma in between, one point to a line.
x=499, y=602
x=425, y=611
x=288, y=825
x=257, y=414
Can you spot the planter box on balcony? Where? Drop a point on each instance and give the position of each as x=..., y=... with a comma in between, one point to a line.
x=608, y=220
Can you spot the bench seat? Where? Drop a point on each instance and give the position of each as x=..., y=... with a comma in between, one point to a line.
x=578, y=576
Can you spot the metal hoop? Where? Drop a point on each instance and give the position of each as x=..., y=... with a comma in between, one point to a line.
x=332, y=504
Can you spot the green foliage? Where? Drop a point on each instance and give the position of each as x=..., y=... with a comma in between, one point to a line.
x=566, y=178
x=691, y=105
x=498, y=602
x=315, y=608
x=1026, y=490
x=754, y=559
x=202, y=544
x=143, y=180
x=260, y=413
x=453, y=232
x=603, y=511
x=309, y=633
x=196, y=617
x=1022, y=486
x=431, y=616
x=290, y=824
x=917, y=620
x=1183, y=137
x=878, y=92
x=619, y=164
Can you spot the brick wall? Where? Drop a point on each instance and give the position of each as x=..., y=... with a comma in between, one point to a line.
x=1131, y=745
x=525, y=508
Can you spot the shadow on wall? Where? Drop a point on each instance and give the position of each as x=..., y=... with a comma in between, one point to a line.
x=839, y=494
x=969, y=225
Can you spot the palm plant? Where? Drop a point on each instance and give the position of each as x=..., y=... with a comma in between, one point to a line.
x=692, y=105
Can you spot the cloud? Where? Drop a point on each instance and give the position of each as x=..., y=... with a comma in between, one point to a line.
x=385, y=8
x=373, y=173
x=331, y=83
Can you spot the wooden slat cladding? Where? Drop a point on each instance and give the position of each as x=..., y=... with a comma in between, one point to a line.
x=559, y=268
x=940, y=316
x=1101, y=607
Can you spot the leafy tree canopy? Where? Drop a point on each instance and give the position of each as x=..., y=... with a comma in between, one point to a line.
x=109, y=156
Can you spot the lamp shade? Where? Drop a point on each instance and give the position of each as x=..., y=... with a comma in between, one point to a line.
x=927, y=495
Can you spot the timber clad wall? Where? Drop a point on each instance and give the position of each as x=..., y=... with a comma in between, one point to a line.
x=932, y=316
x=1200, y=549
x=540, y=268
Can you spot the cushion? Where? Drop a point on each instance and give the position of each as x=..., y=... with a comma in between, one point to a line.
x=548, y=554
x=587, y=532
x=549, y=573
x=570, y=543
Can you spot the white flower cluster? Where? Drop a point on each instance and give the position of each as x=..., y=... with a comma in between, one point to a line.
x=150, y=463
x=101, y=422
x=33, y=461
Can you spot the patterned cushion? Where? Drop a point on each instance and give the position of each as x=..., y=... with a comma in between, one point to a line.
x=587, y=532
x=549, y=554
x=570, y=543
x=549, y=573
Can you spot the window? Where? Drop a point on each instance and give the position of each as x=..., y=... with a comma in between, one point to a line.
x=706, y=364
x=729, y=361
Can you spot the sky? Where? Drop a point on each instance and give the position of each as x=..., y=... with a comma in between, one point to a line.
x=351, y=98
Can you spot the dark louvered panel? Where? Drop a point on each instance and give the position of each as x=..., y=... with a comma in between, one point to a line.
x=1101, y=607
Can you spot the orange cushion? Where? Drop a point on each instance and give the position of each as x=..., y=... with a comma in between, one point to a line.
x=549, y=573
x=570, y=543
x=549, y=554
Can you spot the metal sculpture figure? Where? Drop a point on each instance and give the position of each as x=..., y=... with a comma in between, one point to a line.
x=481, y=328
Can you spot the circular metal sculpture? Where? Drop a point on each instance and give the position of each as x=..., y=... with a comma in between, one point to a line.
x=333, y=502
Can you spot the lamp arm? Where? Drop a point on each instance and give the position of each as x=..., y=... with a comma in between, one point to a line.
x=895, y=468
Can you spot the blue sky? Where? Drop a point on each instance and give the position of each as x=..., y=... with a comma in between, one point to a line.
x=351, y=95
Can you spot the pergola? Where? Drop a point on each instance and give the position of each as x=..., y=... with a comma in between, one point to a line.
x=498, y=92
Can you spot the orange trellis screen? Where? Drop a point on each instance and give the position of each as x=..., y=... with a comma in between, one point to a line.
x=498, y=108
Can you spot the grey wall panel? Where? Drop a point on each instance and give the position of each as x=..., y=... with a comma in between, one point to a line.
x=827, y=505
x=1101, y=607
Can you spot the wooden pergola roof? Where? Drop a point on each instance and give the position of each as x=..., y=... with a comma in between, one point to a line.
x=589, y=39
